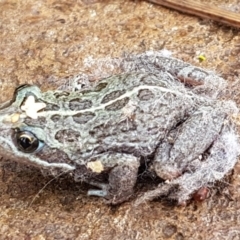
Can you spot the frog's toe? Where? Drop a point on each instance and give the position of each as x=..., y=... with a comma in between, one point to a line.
x=98, y=193
x=163, y=189
x=102, y=192
x=110, y=195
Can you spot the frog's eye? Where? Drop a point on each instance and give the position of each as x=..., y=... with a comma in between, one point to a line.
x=26, y=141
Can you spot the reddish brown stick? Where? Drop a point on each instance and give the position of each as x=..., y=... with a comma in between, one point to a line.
x=202, y=10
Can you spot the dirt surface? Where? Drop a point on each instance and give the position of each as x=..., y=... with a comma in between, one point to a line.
x=45, y=41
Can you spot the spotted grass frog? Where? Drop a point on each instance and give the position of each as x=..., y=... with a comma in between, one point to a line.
x=161, y=113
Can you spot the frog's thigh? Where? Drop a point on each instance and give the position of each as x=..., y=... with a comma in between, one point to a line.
x=189, y=142
x=122, y=177
x=222, y=159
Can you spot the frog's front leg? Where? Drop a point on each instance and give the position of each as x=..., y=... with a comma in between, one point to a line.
x=121, y=179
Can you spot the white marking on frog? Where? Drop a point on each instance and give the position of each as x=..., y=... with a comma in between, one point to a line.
x=95, y=166
x=31, y=107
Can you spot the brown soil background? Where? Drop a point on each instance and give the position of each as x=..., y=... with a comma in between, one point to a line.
x=44, y=41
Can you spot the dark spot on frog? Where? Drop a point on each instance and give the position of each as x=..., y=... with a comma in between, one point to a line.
x=79, y=104
x=51, y=107
x=100, y=86
x=112, y=95
x=145, y=95
x=53, y=155
x=61, y=94
x=55, y=117
x=39, y=122
x=67, y=135
x=117, y=105
x=82, y=118
x=106, y=130
x=99, y=131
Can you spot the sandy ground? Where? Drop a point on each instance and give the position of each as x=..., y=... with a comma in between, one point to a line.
x=45, y=41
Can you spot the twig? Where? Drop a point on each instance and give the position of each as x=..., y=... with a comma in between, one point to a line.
x=202, y=10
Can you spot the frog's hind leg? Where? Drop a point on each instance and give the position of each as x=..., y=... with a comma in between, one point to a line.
x=121, y=180
x=222, y=158
x=186, y=143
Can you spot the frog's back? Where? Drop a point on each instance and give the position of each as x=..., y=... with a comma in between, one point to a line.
x=128, y=113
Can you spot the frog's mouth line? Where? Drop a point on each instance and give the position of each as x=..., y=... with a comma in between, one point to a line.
x=14, y=153
x=6, y=104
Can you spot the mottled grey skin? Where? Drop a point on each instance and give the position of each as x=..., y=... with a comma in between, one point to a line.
x=146, y=115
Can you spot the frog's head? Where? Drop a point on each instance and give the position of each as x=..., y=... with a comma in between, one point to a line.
x=28, y=143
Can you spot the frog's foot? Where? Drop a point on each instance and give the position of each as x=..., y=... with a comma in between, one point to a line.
x=222, y=158
x=102, y=192
x=122, y=180
x=162, y=190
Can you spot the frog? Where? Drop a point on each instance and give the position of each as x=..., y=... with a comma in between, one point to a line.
x=160, y=113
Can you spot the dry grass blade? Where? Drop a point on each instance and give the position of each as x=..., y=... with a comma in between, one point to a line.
x=202, y=10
